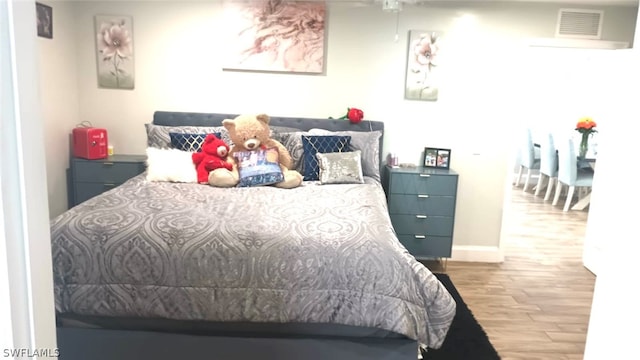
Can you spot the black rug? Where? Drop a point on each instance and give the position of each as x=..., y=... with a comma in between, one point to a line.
x=466, y=339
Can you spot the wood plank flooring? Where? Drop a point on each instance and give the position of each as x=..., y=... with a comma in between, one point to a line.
x=536, y=304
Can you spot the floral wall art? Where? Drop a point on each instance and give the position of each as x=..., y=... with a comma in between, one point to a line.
x=422, y=65
x=275, y=35
x=114, y=51
x=44, y=18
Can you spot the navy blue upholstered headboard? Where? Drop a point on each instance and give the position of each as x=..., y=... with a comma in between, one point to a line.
x=168, y=118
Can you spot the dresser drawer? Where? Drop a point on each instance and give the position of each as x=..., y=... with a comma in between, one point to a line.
x=89, y=178
x=105, y=171
x=422, y=204
x=427, y=184
x=427, y=247
x=87, y=190
x=419, y=225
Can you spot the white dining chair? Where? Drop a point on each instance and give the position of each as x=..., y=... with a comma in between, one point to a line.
x=548, y=166
x=568, y=173
x=528, y=159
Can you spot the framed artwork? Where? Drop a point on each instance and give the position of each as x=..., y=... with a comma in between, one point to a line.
x=44, y=18
x=275, y=36
x=437, y=158
x=421, y=81
x=114, y=51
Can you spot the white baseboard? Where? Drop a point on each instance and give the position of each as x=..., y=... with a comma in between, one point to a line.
x=473, y=253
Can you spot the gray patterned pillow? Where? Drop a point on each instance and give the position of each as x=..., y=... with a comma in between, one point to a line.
x=292, y=141
x=158, y=135
x=366, y=141
x=340, y=168
x=277, y=130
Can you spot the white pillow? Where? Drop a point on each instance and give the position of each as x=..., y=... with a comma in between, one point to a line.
x=170, y=165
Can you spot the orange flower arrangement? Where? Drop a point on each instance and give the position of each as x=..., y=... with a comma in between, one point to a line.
x=585, y=126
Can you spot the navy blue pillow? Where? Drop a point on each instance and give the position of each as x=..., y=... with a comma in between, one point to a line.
x=313, y=144
x=189, y=142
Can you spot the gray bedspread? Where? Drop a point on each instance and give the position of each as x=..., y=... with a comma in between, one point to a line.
x=314, y=254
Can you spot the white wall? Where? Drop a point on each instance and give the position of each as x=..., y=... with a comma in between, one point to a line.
x=611, y=244
x=6, y=110
x=179, y=56
x=60, y=107
x=25, y=238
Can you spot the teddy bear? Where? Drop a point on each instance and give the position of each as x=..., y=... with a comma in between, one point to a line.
x=249, y=133
x=214, y=155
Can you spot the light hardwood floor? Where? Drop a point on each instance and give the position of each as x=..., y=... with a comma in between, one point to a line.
x=536, y=304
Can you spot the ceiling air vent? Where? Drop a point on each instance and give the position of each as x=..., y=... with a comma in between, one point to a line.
x=579, y=23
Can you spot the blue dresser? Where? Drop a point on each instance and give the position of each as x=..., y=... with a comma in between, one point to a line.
x=422, y=206
x=92, y=177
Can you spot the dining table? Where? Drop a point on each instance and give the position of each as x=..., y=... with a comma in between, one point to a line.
x=588, y=163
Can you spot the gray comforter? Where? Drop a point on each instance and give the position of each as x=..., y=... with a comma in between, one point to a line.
x=314, y=254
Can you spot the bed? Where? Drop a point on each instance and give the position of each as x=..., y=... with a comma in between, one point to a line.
x=166, y=270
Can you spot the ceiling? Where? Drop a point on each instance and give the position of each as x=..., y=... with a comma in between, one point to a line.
x=563, y=2
x=582, y=2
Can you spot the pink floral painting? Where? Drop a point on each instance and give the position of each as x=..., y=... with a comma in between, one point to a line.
x=275, y=35
x=422, y=65
x=114, y=51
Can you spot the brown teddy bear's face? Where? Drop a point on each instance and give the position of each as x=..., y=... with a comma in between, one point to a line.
x=247, y=131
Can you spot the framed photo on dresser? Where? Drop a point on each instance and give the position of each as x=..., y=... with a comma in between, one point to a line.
x=437, y=158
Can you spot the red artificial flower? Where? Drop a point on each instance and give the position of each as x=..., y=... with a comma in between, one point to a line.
x=355, y=115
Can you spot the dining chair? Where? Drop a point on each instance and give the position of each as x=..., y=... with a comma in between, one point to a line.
x=528, y=159
x=569, y=174
x=548, y=166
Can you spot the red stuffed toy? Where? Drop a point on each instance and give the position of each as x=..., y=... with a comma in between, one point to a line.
x=212, y=156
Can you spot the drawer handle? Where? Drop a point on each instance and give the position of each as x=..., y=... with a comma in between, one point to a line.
x=419, y=236
x=425, y=175
x=109, y=185
x=423, y=196
x=421, y=216
x=107, y=163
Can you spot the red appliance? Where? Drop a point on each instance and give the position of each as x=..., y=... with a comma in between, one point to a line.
x=90, y=143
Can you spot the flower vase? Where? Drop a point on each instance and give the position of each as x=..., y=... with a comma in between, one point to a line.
x=584, y=146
